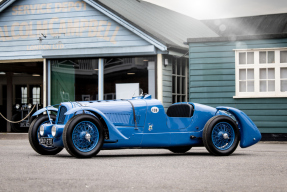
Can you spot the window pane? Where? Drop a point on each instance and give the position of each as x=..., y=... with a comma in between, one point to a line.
x=129, y=73
x=75, y=80
x=283, y=56
x=178, y=67
x=183, y=85
x=242, y=58
x=283, y=73
x=178, y=84
x=24, y=94
x=183, y=99
x=271, y=57
x=271, y=73
x=250, y=58
x=173, y=67
x=263, y=86
x=173, y=99
x=262, y=57
x=271, y=85
x=263, y=74
x=36, y=95
x=173, y=83
x=183, y=68
x=250, y=73
x=250, y=86
x=284, y=86
x=178, y=99
x=242, y=86
x=242, y=74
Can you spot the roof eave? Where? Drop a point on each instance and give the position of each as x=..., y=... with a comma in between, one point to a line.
x=177, y=48
x=5, y=3
x=237, y=38
x=128, y=24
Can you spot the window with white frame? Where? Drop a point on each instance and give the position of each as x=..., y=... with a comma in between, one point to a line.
x=261, y=73
x=179, y=80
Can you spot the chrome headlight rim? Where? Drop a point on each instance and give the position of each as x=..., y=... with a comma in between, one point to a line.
x=42, y=130
x=54, y=131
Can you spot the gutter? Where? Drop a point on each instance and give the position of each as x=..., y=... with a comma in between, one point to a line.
x=238, y=38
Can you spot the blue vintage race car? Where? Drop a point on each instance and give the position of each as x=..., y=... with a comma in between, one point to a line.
x=85, y=128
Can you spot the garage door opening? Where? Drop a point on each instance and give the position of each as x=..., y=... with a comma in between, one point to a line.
x=21, y=87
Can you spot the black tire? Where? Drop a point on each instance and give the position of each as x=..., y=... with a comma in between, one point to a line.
x=72, y=144
x=214, y=142
x=34, y=135
x=182, y=149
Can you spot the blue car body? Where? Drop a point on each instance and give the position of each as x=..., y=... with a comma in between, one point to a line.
x=153, y=128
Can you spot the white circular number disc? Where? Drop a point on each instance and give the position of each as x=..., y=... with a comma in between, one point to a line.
x=154, y=109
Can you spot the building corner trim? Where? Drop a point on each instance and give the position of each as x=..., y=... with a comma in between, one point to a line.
x=159, y=78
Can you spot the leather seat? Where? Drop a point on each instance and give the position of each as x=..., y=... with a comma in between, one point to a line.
x=180, y=110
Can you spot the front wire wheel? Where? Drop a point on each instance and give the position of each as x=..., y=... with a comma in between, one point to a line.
x=83, y=136
x=220, y=135
x=34, y=136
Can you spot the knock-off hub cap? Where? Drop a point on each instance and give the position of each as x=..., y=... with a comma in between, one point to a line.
x=88, y=137
x=225, y=136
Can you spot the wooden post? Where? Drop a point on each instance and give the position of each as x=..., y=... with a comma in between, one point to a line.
x=101, y=79
x=9, y=77
x=44, y=83
x=159, y=77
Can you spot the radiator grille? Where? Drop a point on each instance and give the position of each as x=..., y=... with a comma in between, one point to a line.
x=61, y=117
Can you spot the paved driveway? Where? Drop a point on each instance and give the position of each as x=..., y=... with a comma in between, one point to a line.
x=262, y=167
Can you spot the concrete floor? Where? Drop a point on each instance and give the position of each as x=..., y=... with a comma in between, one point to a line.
x=262, y=167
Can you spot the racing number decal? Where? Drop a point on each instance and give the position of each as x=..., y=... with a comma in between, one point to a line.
x=154, y=109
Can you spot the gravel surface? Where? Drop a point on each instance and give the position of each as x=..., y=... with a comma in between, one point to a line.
x=262, y=167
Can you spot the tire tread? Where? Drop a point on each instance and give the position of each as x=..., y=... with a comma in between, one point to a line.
x=206, y=142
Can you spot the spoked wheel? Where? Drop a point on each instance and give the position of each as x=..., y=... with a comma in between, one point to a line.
x=34, y=136
x=220, y=135
x=83, y=136
x=182, y=149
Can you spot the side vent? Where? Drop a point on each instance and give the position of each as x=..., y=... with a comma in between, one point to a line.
x=61, y=118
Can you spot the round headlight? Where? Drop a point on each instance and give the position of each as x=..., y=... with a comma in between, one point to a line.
x=17, y=106
x=54, y=130
x=29, y=106
x=42, y=130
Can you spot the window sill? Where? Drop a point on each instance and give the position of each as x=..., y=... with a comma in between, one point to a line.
x=247, y=97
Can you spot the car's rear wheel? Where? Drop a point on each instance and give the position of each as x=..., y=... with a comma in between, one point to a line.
x=34, y=136
x=220, y=135
x=182, y=149
x=83, y=136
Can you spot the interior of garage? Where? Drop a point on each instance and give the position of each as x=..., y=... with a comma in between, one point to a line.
x=20, y=85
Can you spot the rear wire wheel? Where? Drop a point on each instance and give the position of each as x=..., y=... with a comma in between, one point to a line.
x=220, y=135
x=83, y=136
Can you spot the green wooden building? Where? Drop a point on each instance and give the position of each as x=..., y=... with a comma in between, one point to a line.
x=244, y=66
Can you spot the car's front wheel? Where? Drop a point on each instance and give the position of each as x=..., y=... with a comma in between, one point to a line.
x=83, y=136
x=220, y=135
x=34, y=136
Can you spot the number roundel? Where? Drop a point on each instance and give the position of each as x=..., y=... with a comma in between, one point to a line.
x=154, y=109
